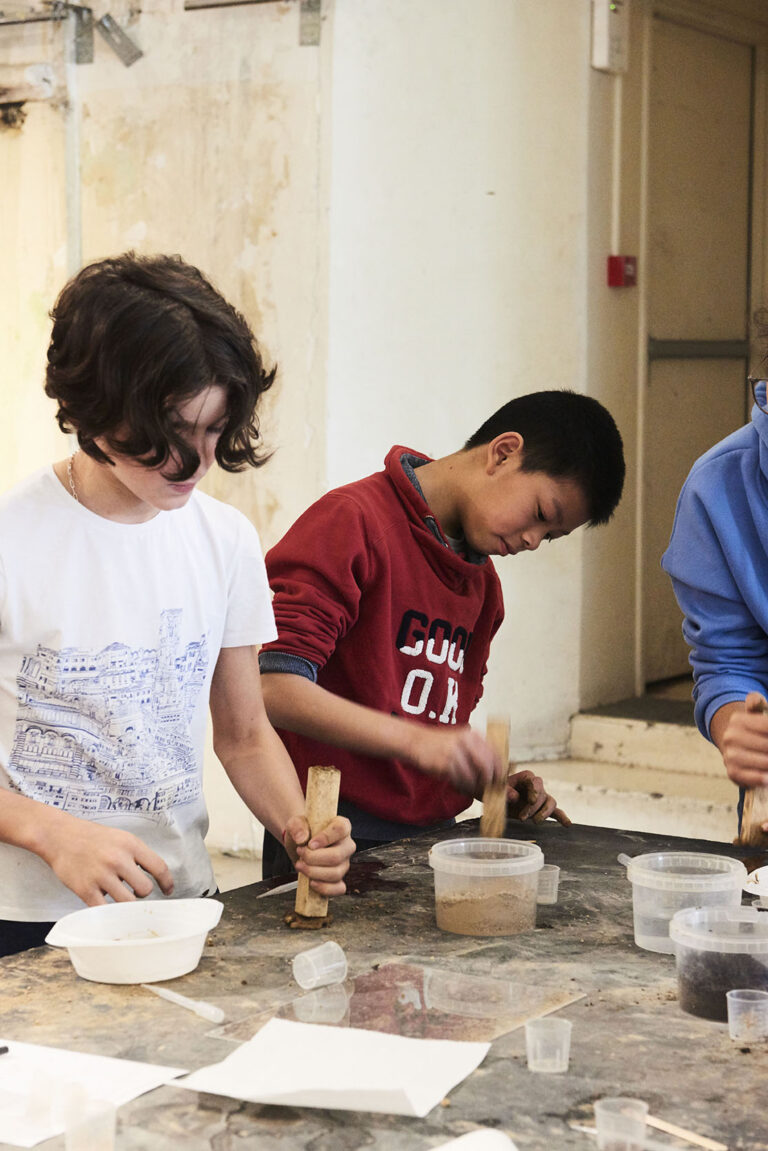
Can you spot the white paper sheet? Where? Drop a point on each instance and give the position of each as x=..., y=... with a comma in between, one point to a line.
x=341, y=1068
x=484, y=1139
x=38, y=1083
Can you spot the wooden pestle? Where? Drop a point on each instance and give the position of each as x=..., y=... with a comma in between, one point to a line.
x=755, y=812
x=322, y=802
x=493, y=821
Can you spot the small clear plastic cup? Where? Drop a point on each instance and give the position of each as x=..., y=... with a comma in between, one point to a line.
x=549, y=879
x=747, y=1015
x=548, y=1044
x=620, y=1123
x=323, y=1005
x=320, y=966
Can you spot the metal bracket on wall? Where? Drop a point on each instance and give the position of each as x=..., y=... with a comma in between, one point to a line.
x=83, y=34
x=310, y=15
x=119, y=41
x=310, y=23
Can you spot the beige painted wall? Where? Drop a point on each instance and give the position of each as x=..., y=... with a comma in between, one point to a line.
x=209, y=145
x=415, y=218
x=33, y=257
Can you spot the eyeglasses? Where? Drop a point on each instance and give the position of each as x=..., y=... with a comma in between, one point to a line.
x=753, y=382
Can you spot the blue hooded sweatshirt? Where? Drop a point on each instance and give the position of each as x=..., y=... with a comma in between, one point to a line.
x=718, y=560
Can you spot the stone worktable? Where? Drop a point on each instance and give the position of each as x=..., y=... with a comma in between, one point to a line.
x=629, y=1035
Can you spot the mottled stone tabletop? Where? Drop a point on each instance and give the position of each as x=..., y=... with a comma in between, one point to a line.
x=629, y=1035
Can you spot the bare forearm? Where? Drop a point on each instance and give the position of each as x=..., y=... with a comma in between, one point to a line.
x=262, y=772
x=27, y=823
x=719, y=722
x=740, y=732
x=264, y=778
x=299, y=705
x=91, y=860
x=454, y=752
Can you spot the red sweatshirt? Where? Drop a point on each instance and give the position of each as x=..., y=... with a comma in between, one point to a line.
x=393, y=619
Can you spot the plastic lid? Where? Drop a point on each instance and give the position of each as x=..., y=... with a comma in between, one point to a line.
x=730, y=929
x=686, y=871
x=485, y=857
x=134, y=924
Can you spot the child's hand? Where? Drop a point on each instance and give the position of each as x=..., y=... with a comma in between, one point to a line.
x=528, y=799
x=744, y=742
x=95, y=861
x=325, y=858
x=461, y=755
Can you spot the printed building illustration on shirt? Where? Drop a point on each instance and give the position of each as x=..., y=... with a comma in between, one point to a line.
x=109, y=730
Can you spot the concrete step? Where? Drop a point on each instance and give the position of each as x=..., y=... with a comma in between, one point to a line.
x=672, y=747
x=640, y=798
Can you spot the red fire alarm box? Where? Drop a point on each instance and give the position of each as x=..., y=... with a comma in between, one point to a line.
x=622, y=271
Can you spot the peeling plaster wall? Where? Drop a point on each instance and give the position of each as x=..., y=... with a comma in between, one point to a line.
x=210, y=146
x=32, y=256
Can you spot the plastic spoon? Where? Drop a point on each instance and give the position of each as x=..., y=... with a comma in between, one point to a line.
x=204, y=1010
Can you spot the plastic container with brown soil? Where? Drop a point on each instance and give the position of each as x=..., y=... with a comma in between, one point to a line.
x=485, y=886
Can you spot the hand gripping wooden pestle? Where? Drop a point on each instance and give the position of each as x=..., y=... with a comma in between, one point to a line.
x=755, y=812
x=493, y=821
x=311, y=908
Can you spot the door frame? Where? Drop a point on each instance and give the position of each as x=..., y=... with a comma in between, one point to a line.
x=738, y=20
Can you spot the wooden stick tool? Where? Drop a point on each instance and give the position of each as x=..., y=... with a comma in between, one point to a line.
x=493, y=821
x=755, y=812
x=311, y=909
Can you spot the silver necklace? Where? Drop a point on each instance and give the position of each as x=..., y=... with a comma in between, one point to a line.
x=71, y=477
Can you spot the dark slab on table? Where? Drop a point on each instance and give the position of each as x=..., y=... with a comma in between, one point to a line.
x=629, y=1035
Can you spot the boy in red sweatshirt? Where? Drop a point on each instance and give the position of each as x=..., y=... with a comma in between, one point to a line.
x=386, y=602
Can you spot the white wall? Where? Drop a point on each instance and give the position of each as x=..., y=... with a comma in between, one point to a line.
x=458, y=245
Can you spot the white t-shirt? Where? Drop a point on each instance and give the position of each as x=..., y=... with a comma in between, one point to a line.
x=109, y=635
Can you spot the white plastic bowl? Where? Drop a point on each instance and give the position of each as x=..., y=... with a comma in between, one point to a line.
x=756, y=883
x=137, y=942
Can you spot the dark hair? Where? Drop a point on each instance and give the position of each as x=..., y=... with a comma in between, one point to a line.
x=134, y=336
x=567, y=435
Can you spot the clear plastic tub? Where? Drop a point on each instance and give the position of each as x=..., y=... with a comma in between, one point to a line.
x=136, y=942
x=485, y=886
x=718, y=949
x=665, y=882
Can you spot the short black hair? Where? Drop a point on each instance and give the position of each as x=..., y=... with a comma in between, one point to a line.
x=134, y=336
x=567, y=435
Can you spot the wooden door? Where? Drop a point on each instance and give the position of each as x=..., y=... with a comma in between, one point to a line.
x=699, y=195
